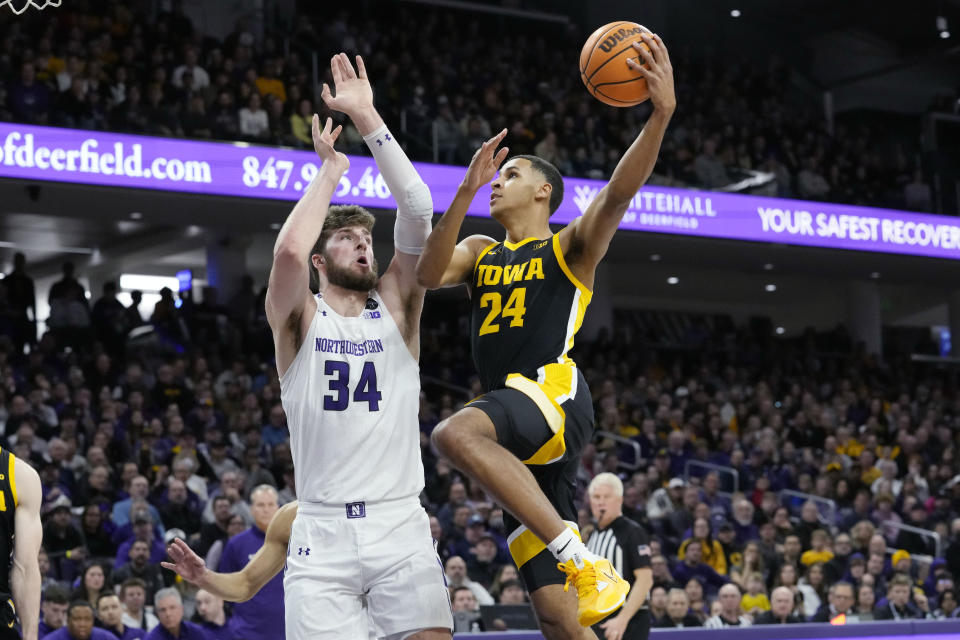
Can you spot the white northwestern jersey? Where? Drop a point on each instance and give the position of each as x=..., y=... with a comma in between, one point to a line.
x=352, y=399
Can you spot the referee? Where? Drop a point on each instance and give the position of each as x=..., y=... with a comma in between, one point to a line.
x=627, y=546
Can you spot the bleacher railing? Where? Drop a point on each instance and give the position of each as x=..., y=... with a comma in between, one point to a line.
x=926, y=533
x=637, y=459
x=719, y=468
x=831, y=506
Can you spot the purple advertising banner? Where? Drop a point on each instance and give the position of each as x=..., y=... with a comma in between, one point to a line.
x=237, y=169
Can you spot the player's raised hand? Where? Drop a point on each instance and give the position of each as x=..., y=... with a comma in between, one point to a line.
x=323, y=144
x=187, y=564
x=657, y=70
x=486, y=161
x=353, y=91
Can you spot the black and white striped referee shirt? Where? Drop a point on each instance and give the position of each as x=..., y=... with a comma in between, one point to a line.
x=625, y=544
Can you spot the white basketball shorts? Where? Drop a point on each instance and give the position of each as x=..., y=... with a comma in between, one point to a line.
x=350, y=566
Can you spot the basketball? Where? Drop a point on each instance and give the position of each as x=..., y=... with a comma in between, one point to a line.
x=603, y=64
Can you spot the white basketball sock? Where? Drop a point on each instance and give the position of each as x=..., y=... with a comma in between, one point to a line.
x=567, y=546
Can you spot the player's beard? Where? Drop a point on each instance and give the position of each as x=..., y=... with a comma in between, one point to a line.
x=346, y=278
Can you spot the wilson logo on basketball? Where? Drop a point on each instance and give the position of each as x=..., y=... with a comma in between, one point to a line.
x=604, y=68
x=611, y=41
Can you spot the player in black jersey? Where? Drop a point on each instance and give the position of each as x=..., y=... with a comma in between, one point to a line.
x=521, y=440
x=627, y=546
x=20, y=536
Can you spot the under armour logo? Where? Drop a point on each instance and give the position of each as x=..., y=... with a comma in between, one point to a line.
x=388, y=137
x=379, y=142
x=303, y=551
x=323, y=313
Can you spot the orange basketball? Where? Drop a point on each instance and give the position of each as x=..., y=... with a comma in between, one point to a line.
x=603, y=64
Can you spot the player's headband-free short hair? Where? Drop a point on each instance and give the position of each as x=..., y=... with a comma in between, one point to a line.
x=339, y=217
x=552, y=175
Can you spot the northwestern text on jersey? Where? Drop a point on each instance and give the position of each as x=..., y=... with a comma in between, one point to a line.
x=327, y=345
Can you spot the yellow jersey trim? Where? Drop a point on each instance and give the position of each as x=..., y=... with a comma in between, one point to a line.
x=13, y=480
x=480, y=257
x=514, y=246
x=547, y=393
x=549, y=409
x=524, y=545
x=566, y=269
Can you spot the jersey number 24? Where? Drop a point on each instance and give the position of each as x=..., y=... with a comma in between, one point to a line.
x=366, y=390
x=515, y=308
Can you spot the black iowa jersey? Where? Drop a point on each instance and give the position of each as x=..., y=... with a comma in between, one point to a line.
x=8, y=504
x=526, y=308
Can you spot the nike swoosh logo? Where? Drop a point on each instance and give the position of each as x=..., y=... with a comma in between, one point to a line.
x=560, y=550
x=609, y=577
x=602, y=585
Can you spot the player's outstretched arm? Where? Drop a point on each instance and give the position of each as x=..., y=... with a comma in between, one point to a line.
x=288, y=289
x=244, y=584
x=444, y=263
x=28, y=533
x=354, y=97
x=592, y=232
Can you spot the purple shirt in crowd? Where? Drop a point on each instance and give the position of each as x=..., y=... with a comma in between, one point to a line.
x=129, y=633
x=63, y=634
x=710, y=579
x=158, y=552
x=260, y=617
x=188, y=631
x=218, y=632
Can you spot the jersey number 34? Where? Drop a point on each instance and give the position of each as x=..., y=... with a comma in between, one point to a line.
x=366, y=390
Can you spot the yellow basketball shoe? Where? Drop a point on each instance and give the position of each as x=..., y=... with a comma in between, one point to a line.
x=600, y=589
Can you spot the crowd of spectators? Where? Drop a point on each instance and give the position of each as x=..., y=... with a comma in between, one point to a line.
x=860, y=445
x=139, y=441
x=116, y=66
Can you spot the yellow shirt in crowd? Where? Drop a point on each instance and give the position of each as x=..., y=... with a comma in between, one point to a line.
x=812, y=556
x=759, y=602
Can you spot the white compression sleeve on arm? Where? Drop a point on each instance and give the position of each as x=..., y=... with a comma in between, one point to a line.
x=414, y=203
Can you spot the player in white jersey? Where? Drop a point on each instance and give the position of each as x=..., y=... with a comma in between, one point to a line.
x=360, y=544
